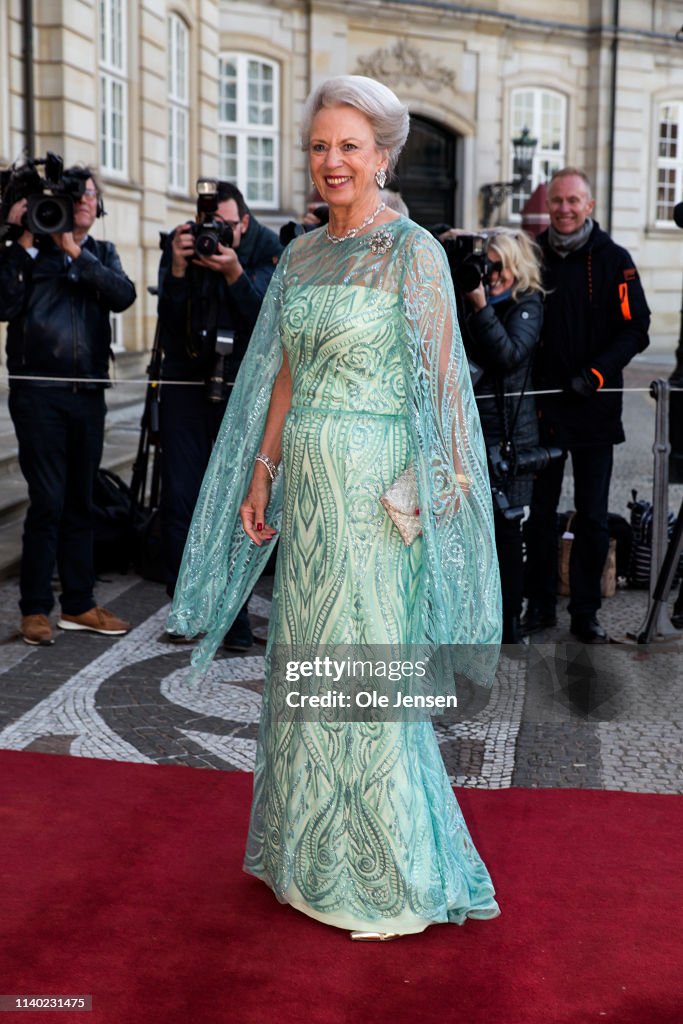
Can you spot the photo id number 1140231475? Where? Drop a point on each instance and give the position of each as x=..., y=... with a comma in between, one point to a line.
x=44, y=1002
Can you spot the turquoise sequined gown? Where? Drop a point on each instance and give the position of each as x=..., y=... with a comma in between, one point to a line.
x=356, y=823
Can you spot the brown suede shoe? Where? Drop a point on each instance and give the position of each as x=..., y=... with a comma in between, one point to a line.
x=36, y=630
x=97, y=620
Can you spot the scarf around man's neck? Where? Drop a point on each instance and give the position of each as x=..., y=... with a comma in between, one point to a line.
x=564, y=244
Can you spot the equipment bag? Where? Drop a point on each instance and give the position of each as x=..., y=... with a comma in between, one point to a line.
x=608, y=578
x=112, y=523
x=641, y=548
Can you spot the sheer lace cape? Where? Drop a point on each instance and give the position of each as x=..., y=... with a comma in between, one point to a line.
x=459, y=585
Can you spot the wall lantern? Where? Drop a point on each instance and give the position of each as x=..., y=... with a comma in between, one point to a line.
x=495, y=193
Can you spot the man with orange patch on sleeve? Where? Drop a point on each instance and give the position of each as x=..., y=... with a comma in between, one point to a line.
x=596, y=319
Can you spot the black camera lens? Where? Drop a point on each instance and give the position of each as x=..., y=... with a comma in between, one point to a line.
x=467, y=276
x=536, y=459
x=47, y=214
x=211, y=234
x=206, y=243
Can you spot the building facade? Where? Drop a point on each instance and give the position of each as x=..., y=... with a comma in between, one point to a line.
x=158, y=92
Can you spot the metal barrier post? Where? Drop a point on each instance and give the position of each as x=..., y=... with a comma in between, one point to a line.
x=657, y=622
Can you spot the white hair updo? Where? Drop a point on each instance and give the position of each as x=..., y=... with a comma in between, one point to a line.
x=385, y=112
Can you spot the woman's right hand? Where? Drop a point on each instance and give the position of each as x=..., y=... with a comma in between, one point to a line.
x=253, y=508
x=478, y=298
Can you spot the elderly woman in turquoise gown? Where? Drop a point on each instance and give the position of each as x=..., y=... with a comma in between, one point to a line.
x=355, y=374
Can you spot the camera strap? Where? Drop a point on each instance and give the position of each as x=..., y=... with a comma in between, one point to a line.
x=202, y=313
x=509, y=428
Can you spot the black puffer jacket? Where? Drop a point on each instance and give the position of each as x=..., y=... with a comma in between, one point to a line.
x=501, y=339
x=58, y=310
x=596, y=316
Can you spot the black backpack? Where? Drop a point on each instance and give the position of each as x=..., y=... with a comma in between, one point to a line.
x=113, y=548
x=125, y=534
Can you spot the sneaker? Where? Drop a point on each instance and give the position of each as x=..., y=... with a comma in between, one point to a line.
x=97, y=620
x=36, y=630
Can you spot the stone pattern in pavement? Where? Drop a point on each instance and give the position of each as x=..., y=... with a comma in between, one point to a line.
x=563, y=716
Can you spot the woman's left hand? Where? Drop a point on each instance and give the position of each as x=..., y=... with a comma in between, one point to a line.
x=253, y=509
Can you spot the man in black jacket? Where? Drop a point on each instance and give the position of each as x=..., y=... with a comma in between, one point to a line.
x=208, y=307
x=596, y=319
x=57, y=293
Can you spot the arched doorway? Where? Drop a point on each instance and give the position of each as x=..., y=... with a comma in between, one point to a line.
x=426, y=172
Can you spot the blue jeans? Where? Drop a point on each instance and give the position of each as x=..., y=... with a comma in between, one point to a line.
x=60, y=434
x=592, y=473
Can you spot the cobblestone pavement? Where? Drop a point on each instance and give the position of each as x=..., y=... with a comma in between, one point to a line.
x=564, y=715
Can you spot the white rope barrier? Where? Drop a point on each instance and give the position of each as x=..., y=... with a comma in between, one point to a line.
x=145, y=381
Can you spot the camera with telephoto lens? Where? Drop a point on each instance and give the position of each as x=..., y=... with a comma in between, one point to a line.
x=292, y=229
x=50, y=196
x=506, y=462
x=468, y=262
x=210, y=231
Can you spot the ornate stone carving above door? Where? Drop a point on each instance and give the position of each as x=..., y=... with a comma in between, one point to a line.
x=405, y=63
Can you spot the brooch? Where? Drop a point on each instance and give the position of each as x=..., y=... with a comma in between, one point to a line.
x=381, y=242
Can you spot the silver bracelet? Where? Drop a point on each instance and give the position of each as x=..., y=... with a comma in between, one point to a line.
x=273, y=470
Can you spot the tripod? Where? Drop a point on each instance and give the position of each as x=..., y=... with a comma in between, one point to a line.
x=148, y=444
x=664, y=580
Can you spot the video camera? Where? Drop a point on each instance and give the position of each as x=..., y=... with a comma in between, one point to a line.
x=506, y=462
x=210, y=231
x=51, y=197
x=292, y=229
x=468, y=262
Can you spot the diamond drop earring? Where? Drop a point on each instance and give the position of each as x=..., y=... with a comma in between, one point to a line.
x=381, y=177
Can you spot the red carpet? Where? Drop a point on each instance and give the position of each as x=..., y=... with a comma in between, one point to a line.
x=124, y=882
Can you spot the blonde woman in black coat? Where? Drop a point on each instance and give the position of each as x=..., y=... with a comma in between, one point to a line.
x=503, y=326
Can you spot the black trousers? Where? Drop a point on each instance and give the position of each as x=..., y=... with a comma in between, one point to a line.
x=189, y=425
x=592, y=474
x=60, y=434
x=509, y=548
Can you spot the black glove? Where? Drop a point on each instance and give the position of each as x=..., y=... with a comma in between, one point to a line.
x=585, y=384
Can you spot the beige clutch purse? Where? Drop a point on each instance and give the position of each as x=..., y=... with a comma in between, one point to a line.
x=401, y=504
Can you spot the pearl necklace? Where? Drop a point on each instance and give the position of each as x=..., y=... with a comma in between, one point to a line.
x=354, y=231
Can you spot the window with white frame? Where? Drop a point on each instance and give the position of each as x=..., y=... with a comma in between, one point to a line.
x=544, y=113
x=113, y=87
x=249, y=126
x=669, y=161
x=178, y=103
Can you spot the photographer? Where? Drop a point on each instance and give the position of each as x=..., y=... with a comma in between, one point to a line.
x=502, y=329
x=57, y=291
x=208, y=306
